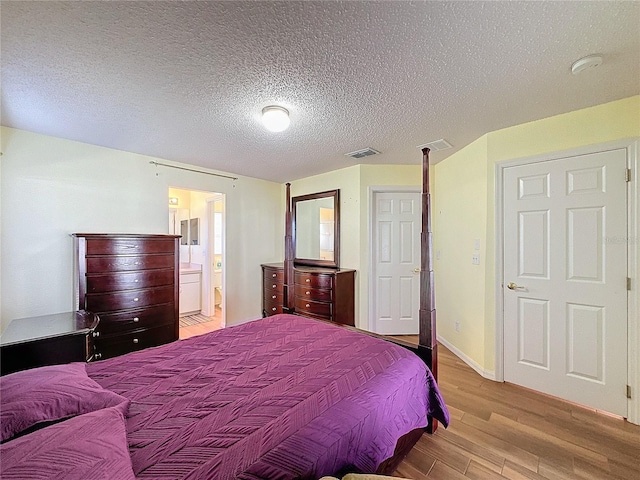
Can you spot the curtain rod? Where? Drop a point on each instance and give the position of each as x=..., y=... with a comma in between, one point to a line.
x=158, y=164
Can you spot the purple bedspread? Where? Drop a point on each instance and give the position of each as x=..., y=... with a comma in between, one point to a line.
x=278, y=398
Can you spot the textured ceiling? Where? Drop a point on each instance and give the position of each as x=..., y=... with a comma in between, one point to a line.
x=186, y=81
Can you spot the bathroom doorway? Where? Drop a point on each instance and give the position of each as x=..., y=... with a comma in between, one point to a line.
x=199, y=218
x=216, y=222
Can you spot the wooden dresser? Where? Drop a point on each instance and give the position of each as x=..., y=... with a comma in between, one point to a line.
x=325, y=293
x=272, y=289
x=132, y=282
x=47, y=340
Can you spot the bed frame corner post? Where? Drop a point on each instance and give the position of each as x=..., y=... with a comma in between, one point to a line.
x=288, y=254
x=428, y=343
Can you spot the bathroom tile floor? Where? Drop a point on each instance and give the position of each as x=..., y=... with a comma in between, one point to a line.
x=214, y=323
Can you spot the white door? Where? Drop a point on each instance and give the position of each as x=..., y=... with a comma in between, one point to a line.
x=396, y=262
x=565, y=289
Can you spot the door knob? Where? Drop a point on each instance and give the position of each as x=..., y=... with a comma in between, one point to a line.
x=513, y=286
x=416, y=270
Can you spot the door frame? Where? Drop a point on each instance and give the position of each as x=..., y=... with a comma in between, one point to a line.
x=632, y=146
x=209, y=272
x=373, y=190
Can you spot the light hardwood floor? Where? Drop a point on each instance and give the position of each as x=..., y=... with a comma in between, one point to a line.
x=200, y=328
x=499, y=431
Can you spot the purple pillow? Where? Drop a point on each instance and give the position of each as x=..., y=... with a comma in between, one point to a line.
x=93, y=446
x=47, y=394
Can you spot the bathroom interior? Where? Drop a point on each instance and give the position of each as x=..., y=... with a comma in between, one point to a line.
x=199, y=218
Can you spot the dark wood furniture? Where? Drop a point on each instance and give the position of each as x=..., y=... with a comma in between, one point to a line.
x=427, y=342
x=132, y=282
x=272, y=289
x=47, y=340
x=324, y=293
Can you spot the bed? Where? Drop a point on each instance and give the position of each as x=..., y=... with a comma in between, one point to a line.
x=278, y=398
x=283, y=397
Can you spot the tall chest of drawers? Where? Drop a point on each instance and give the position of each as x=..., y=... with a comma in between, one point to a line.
x=324, y=293
x=132, y=282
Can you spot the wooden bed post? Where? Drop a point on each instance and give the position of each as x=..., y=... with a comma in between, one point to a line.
x=288, y=255
x=427, y=338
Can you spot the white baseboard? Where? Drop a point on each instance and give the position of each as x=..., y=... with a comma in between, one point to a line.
x=491, y=375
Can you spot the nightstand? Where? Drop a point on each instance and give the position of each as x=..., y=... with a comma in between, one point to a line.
x=47, y=340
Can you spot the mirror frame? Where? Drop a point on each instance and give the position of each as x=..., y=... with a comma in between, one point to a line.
x=313, y=262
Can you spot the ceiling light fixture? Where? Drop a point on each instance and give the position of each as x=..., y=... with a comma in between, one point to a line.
x=585, y=63
x=275, y=119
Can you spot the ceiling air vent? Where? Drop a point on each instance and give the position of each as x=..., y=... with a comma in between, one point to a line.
x=436, y=145
x=365, y=152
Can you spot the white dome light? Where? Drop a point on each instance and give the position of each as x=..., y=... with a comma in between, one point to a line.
x=275, y=119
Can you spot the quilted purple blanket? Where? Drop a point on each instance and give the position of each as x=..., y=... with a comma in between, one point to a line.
x=278, y=398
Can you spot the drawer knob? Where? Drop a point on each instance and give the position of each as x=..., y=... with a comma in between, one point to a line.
x=274, y=275
x=136, y=263
x=273, y=296
x=307, y=305
x=95, y=334
x=136, y=319
x=97, y=356
x=273, y=309
x=135, y=299
x=308, y=293
x=274, y=286
x=135, y=340
x=308, y=280
x=136, y=281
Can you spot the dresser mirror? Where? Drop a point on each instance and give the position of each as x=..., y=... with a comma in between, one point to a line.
x=316, y=229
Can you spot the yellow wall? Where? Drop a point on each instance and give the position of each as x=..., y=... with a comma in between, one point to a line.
x=459, y=211
x=183, y=196
x=459, y=219
x=590, y=126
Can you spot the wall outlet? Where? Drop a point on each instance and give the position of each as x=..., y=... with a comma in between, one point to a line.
x=457, y=326
x=475, y=259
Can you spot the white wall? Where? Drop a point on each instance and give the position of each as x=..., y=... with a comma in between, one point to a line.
x=52, y=187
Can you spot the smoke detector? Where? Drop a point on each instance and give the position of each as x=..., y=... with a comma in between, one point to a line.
x=586, y=63
x=365, y=152
x=436, y=145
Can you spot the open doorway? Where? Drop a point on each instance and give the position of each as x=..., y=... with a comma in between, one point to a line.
x=199, y=218
x=215, y=213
